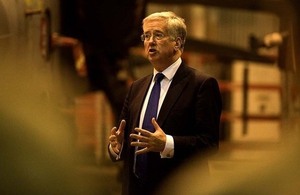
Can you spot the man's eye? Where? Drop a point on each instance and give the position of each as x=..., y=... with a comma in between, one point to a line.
x=159, y=35
x=147, y=36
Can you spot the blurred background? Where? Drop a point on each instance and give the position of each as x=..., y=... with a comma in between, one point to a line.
x=66, y=66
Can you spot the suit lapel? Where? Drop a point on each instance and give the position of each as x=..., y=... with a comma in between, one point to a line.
x=179, y=82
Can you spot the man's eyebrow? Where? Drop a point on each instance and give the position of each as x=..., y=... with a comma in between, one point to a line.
x=155, y=31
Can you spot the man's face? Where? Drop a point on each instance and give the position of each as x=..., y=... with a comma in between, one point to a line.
x=158, y=45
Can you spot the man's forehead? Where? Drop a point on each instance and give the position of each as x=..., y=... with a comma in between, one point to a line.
x=154, y=25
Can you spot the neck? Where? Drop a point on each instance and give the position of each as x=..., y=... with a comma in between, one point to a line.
x=162, y=65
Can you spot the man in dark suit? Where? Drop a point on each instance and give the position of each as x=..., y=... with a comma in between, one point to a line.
x=188, y=111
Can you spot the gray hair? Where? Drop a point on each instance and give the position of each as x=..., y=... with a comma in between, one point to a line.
x=175, y=25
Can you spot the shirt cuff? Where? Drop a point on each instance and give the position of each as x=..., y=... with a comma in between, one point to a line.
x=168, y=151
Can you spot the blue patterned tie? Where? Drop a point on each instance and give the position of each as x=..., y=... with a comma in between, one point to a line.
x=151, y=112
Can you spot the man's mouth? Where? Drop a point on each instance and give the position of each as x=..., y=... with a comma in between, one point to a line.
x=152, y=51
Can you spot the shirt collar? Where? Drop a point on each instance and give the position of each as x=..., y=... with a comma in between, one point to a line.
x=171, y=70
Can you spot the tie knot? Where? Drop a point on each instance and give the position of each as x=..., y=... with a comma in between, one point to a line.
x=159, y=77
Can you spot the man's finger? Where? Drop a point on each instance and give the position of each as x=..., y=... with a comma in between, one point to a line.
x=122, y=125
x=135, y=136
x=154, y=123
x=143, y=132
x=112, y=138
x=139, y=144
x=113, y=131
x=139, y=137
x=142, y=151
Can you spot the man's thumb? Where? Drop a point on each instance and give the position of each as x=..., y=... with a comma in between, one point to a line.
x=155, y=125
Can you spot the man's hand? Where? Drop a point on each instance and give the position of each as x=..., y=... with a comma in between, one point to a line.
x=149, y=142
x=117, y=136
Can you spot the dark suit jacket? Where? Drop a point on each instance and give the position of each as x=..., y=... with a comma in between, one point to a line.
x=190, y=113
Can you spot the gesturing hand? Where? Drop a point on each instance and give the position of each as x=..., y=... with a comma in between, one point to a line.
x=117, y=136
x=149, y=142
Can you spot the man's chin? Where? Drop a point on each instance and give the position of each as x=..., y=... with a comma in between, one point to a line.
x=153, y=57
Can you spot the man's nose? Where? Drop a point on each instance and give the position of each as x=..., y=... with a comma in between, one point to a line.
x=152, y=38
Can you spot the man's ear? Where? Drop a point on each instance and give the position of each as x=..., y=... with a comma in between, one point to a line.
x=178, y=43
